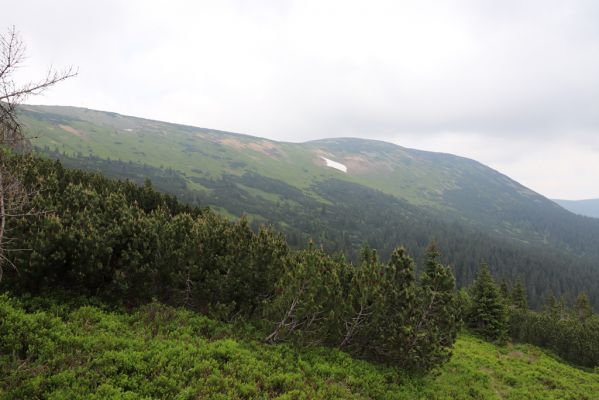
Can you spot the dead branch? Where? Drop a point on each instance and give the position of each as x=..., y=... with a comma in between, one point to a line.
x=13, y=195
x=354, y=324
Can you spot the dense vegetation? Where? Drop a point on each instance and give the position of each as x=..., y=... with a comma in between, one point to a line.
x=53, y=351
x=354, y=214
x=498, y=313
x=129, y=245
x=117, y=291
x=475, y=213
x=571, y=332
x=485, y=311
x=139, y=253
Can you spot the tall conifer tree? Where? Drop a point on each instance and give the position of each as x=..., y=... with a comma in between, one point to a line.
x=487, y=315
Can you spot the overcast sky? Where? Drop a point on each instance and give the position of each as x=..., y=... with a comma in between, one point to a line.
x=513, y=84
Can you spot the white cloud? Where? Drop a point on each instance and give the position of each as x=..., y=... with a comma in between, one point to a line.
x=512, y=81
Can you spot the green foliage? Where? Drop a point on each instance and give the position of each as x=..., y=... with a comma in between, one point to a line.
x=396, y=195
x=504, y=290
x=363, y=314
x=571, y=333
x=129, y=245
x=340, y=222
x=518, y=296
x=371, y=310
x=583, y=307
x=438, y=322
x=487, y=314
x=309, y=298
x=396, y=337
x=158, y=352
x=463, y=305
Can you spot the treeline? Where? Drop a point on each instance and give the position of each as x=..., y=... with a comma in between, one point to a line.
x=572, y=332
x=129, y=245
x=499, y=313
x=356, y=214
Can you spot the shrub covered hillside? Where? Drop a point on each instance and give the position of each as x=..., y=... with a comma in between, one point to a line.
x=389, y=194
x=49, y=351
x=114, y=290
x=128, y=245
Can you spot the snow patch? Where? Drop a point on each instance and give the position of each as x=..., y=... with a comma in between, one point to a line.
x=128, y=130
x=335, y=164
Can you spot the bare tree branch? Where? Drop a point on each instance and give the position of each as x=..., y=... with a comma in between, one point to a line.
x=13, y=195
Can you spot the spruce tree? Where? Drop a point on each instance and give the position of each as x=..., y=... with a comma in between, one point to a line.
x=487, y=314
x=518, y=296
x=583, y=307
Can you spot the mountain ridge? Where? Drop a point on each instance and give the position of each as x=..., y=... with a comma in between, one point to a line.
x=389, y=195
x=327, y=140
x=433, y=179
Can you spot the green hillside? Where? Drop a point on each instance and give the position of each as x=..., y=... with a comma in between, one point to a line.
x=57, y=352
x=387, y=195
x=118, y=291
x=431, y=179
x=148, y=260
x=458, y=187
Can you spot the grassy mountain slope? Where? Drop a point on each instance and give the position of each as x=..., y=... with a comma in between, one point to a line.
x=158, y=352
x=456, y=186
x=589, y=208
x=416, y=176
x=389, y=195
